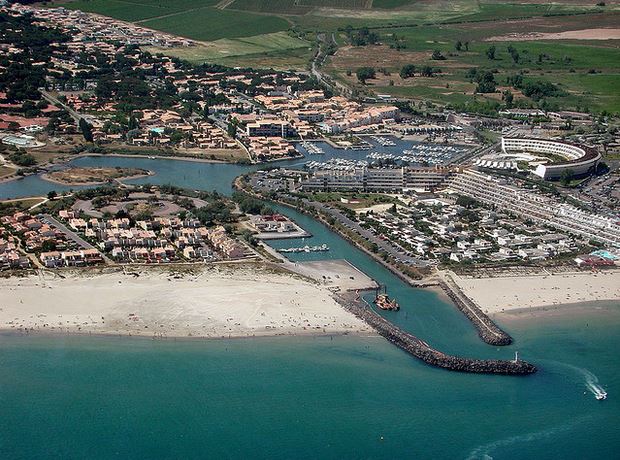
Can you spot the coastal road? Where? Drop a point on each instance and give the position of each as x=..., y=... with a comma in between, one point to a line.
x=367, y=234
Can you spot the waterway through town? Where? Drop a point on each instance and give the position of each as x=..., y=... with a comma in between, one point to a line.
x=303, y=397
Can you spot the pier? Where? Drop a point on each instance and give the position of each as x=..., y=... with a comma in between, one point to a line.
x=423, y=351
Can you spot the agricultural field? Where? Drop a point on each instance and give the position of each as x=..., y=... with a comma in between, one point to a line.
x=137, y=10
x=253, y=33
x=280, y=48
x=586, y=72
x=195, y=19
x=297, y=7
x=207, y=24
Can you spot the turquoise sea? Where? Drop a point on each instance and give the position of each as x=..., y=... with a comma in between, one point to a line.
x=303, y=397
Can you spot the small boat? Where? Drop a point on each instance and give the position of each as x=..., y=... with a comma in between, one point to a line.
x=601, y=396
x=385, y=303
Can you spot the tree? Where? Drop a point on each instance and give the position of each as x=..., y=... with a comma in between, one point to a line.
x=458, y=45
x=232, y=127
x=508, y=98
x=467, y=202
x=132, y=123
x=86, y=130
x=514, y=54
x=407, y=71
x=466, y=46
x=567, y=176
x=365, y=73
x=540, y=89
x=427, y=71
x=486, y=80
x=491, y=52
x=51, y=194
x=48, y=245
x=437, y=56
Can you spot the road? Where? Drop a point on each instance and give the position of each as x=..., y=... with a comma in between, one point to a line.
x=384, y=245
x=316, y=65
x=77, y=239
x=75, y=115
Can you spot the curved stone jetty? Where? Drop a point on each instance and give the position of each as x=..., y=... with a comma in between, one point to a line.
x=421, y=350
x=488, y=331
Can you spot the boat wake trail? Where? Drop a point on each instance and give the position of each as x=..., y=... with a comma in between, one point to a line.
x=593, y=385
x=486, y=450
x=590, y=381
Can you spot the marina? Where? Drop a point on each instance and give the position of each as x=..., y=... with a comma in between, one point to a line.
x=373, y=364
x=383, y=141
x=312, y=148
x=306, y=248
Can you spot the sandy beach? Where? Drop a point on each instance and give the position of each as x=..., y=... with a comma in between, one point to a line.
x=507, y=293
x=212, y=302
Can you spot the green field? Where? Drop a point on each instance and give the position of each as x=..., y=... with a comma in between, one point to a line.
x=390, y=3
x=252, y=33
x=195, y=19
x=304, y=6
x=208, y=24
x=268, y=48
x=273, y=6
x=137, y=10
x=586, y=71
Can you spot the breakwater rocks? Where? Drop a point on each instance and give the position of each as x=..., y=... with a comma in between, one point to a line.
x=488, y=331
x=421, y=350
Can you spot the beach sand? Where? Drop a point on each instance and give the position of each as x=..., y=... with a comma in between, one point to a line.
x=214, y=302
x=507, y=293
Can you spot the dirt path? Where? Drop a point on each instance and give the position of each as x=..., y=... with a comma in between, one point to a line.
x=224, y=4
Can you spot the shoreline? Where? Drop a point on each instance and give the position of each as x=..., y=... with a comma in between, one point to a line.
x=208, y=302
x=567, y=310
x=177, y=338
x=488, y=331
x=505, y=294
x=43, y=169
x=45, y=176
x=421, y=350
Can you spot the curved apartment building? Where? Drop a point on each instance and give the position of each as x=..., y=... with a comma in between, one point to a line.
x=581, y=160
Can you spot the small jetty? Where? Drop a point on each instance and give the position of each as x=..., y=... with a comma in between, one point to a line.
x=306, y=248
x=312, y=149
x=423, y=351
x=488, y=331
x=383, y=141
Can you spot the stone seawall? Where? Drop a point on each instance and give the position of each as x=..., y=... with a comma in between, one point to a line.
x=488, y=331
x=421, y=350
